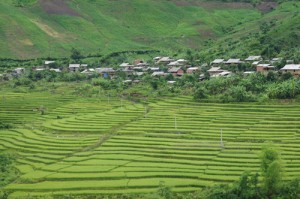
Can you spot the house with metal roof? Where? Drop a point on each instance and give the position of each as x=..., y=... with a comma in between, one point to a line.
x=215, y=70
x=291, y=68
x=217, y=61
x=176, y=71
x=253, y=58
x=74, y=67
x=233, y=61
x=192, y=70
x=264, y=67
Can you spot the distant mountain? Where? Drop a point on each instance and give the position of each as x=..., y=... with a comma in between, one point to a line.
x=42, y=28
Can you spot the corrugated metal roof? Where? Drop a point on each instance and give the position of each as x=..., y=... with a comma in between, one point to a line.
x=291, y=67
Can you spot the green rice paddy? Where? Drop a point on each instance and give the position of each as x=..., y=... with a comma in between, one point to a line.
x=101, y=146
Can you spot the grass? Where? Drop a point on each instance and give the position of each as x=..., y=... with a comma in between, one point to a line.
x=243, y=39
x=70, y=157
x=108, y=26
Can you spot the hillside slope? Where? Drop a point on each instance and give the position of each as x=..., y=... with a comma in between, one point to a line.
x=51, y=28
x=275, y=34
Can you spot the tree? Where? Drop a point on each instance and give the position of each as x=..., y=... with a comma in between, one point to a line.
x=291, y=190
x=200, y=92
x=164, y=191
x=237, y=94
x=190, y=57
x=154, y=84
x=247, y=186
x=271, y=76
x=7, y=170
x=284, y=90
x=286, y=76
x=18, y=3
x=206, y=75
x=75, y=54
x=170, y=77
x=22, y=3
x=271, y=170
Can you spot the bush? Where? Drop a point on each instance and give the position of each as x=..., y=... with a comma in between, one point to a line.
x=104, y=83
x=286, y=76
x=290, y=190
x=5, y=126
x=7, y=171
x=200, y=93
x=164, y=191
x=22, y=82
x=3, y=194
x=237, y=94
x=284, y=90
x=271, y=76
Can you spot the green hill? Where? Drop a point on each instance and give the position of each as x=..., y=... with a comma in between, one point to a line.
x=276, y=33
x=42, y=28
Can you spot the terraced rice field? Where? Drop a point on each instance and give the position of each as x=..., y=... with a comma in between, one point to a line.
x=108, y=147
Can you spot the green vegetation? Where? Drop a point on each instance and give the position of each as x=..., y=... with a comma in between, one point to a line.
x=271, y=170
x=250, y=88
x=8, y=172
x=248, y=186
x=4, y=126
x=238, y=87
x=80, y=136
x=275, y=34
x=101, y=143
x=51, y=29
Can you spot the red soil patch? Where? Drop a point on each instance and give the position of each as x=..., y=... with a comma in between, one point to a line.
x=266, y=7
x=213, y=5
x=58, y=7
x=206, y=33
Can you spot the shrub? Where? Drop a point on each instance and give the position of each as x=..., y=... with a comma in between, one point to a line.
x=284, y=90
x=286, y=76
x=5, y=126
x=104, y=83
x=23, y=82
x=237, y=94
x=200, y=93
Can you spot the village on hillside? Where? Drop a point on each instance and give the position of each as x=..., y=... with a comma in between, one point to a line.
x=164, y=66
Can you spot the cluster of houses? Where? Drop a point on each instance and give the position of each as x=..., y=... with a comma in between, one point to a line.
x=172, y=66
x=175, y=67
x=257, y=62
x=163, y=66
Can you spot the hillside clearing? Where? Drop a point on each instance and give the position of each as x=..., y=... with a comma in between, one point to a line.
x=58, y=7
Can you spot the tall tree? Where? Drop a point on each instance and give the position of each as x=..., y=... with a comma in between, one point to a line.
x=271, y=167
x=75, y=54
